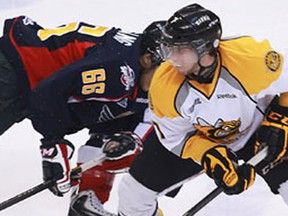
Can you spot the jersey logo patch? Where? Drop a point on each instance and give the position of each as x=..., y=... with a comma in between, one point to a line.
x=224, y=132
x=128, y=77
x=272, y=61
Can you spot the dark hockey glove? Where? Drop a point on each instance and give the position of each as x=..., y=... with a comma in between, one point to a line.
x=121, y=149
x=273, y=132
x=222, y=165
x=55, y=163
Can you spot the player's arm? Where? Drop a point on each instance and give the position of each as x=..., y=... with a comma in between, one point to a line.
x=50, y=114
x=51, y=117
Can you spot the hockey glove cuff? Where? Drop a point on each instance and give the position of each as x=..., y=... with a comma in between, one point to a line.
x=222, y=165
x=274, y=133
x=55, y=163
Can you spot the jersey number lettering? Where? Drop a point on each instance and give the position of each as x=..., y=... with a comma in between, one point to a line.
x=93, y=81
x=96, y=31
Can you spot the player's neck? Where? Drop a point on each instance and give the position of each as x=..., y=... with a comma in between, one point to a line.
x=145, y=78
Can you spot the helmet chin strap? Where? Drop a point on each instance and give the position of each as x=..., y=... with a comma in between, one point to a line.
x=209, y=73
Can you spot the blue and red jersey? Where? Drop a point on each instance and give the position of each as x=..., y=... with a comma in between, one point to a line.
x=76, y=75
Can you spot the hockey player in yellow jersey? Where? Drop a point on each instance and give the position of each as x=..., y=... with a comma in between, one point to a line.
x=216, y=101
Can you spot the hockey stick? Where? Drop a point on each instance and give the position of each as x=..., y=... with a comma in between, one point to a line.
x=213, y=194
x=178, y=184
x=45, y=185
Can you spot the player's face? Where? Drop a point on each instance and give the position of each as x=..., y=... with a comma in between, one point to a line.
x=186, y=59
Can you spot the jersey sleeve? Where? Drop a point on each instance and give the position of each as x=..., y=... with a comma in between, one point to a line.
x=50, y=114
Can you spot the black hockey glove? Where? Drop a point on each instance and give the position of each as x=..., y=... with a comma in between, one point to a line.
x=273, y=132
x=222, y=165
x=55, y=163
x=121, y=149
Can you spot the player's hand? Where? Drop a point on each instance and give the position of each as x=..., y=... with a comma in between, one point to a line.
x=55, y=163
x=222, y=165
x=274, y=133
x=121, y=149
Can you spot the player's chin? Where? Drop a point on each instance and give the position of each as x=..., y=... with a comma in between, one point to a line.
x=182, y=70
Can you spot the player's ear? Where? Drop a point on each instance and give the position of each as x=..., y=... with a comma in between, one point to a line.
x=146, y=61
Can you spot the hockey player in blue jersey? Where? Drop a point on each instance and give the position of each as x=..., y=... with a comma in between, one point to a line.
x=73, y=77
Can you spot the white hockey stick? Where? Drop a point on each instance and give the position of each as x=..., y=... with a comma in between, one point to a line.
x=45, y=185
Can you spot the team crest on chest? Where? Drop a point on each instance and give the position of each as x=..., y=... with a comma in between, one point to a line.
x=272, y=61
x=127, y=77
x=224, y=132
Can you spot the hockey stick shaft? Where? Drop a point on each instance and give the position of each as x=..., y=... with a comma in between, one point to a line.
x=45, y=185
x=212, y=195
x=178, y=184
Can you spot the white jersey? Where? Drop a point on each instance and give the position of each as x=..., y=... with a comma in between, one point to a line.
x=190, y=117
